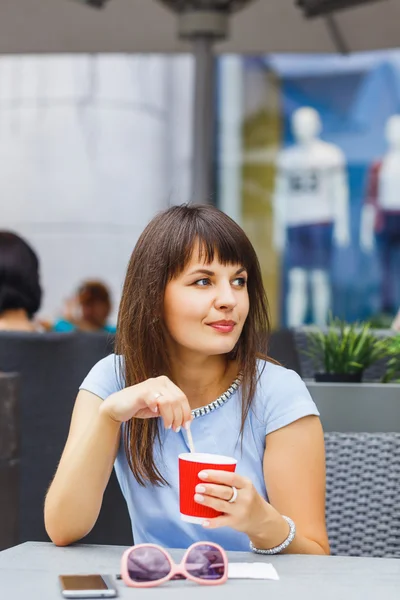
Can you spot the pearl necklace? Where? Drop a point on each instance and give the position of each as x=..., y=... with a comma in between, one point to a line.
x=220, y=401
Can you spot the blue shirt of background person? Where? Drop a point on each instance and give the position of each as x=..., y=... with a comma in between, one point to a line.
x=88, y=310
x=64, y=326
x=193, y=319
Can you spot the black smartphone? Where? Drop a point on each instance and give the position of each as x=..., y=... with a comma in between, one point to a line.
x=87, y=586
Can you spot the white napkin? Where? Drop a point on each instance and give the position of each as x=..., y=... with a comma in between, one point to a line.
x=252, y=571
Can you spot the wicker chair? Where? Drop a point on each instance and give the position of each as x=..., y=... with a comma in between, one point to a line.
x=363, y=493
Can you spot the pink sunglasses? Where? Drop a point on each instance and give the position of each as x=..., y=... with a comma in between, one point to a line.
x=147, y=565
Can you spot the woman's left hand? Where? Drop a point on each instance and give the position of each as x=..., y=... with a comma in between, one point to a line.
x=247, y=513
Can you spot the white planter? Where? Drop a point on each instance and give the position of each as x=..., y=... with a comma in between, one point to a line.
x=357, y=407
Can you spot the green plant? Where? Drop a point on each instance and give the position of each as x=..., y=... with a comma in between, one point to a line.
x=393, y=366
x=381, y=321
x=345, y=348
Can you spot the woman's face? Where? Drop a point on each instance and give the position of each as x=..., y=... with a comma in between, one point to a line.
x=206, y=306
x=96, y=312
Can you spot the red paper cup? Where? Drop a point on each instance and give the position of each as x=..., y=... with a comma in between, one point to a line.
x=190, y=465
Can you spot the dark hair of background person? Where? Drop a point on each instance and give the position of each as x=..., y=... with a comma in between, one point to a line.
x=162, y=252
x=93, y=291
x=19, y=275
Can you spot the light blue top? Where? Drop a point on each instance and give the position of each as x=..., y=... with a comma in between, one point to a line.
x=281, y=398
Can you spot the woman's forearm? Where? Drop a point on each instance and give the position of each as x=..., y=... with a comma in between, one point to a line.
x=274, y=530
x=74, y=498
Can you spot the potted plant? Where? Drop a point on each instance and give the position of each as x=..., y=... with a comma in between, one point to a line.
x=392, y=374
x=344, y=351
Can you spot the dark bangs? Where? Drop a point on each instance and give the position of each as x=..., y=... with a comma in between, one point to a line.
x=215, y=234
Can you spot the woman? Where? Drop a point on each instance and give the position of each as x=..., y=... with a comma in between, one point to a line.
x=20, y=291
x=88, y=310
x=193, y=318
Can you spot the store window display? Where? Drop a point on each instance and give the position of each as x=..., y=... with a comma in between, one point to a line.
x=311, y=216
x=380, y=223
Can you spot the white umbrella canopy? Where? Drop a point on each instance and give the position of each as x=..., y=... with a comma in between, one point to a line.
x=139, y=26
x=53, y=26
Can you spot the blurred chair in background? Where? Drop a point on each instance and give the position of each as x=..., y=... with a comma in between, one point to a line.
x=51, y=367
x=282, y=347
x=9, y=460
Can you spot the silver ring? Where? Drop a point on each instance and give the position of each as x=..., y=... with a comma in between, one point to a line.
x=234, y=495
x=157, y=395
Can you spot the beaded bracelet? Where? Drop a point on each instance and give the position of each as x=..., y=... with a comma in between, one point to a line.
x=282, y=546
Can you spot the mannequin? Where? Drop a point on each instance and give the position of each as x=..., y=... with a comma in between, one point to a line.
x=396, y=322
x=380, y=220
x=310, y=215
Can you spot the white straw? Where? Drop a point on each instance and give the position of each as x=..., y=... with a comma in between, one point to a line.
x=190, y=440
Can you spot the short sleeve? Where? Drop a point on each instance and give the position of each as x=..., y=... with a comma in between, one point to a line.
x=105, y=378
x=285, y=398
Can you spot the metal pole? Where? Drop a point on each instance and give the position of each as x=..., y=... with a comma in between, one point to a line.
x=203, y=22
x=203, y=119
x=230, y=94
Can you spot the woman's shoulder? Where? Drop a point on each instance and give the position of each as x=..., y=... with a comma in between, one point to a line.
x=106, y=377
x=281, y=396
x=271, y=375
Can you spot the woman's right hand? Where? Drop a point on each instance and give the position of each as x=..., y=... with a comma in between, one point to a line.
x=155, y=397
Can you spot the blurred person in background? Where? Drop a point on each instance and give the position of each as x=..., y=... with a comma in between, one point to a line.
x=88, y=310
x=20, y=290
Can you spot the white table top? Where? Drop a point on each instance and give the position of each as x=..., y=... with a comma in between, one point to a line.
x=30, y=570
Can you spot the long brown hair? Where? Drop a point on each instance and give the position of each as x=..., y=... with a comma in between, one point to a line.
x=162, y=252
